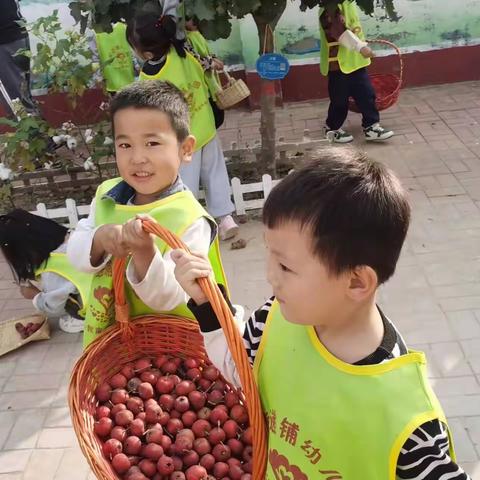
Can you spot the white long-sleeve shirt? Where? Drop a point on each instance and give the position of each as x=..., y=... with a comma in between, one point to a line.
x=55, y=291
x=159, y=290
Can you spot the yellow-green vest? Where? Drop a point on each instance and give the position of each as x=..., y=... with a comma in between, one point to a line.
x=177, y=213
x=188, y=76
x=59, y=264
x=330, y=419
x=348, y=60
x=116, y=58
x=200, y=45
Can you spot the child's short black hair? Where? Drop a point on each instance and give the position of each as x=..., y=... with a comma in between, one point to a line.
x=27, y=240
x=155, y=95
x=355, y=208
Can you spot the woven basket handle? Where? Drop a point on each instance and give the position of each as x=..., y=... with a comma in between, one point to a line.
x=230, y=79
x=232, y=335
x=399, y=53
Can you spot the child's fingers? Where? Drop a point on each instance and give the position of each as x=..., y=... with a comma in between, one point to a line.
x=138, y=228
x=178, y=256
x=192, y=264
x=144, y=216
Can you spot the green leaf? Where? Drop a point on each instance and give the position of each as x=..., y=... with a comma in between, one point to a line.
x=203, y=9
x=63, y=45
x=7, y=121
x=220, y=27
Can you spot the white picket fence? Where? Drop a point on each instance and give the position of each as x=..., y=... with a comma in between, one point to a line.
x=71, y=213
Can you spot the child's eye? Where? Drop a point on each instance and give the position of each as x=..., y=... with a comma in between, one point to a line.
x=123, y=145
x=284, y=268
x=153, y=143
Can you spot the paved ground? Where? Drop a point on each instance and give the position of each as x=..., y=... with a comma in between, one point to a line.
x=434, y=298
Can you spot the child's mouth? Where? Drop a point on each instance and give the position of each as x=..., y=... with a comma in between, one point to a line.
x=142, y=175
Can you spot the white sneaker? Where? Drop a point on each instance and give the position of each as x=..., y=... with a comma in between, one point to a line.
x=227, y=228
x=69, y=324
x=239, y=314
x=376, y=133
x=338, y=136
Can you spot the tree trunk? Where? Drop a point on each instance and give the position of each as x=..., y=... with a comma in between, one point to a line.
x=267, y=105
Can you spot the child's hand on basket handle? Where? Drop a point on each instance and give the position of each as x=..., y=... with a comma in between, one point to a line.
x=367, y=52
x=107, y=240
x=189, y=267
x=217, y=64
x=140, y=244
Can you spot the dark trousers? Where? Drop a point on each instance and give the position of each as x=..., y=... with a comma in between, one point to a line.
x=357, y=84
x=15, y=74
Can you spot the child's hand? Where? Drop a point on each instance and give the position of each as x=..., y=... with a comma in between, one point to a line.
x=189, y=267
x=217, y=65
x=135, y=237
x=29, y=292
x=110, y=238
x=367, y=52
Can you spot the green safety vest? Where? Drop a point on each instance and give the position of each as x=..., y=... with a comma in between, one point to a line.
x=348, y=60
x=200, y=45
x=176, y=213
x=116, y=58
x=329, y=419
x=188, y=75
x=59, y=264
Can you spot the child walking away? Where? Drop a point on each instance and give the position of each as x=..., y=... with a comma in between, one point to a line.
x=152, y=140
x=154, y=39
x=116, y=58
x=35, y=247
x=198, y=46
x=343, y=395
x=344, y=56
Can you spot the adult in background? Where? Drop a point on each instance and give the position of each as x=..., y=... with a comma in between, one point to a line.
x=15, y=69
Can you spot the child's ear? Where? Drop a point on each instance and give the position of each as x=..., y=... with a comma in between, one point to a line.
x=147, y=56
x=188, y=148
x=363, y=283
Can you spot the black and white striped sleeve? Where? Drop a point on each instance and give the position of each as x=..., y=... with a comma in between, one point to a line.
x=425, y=455
x=214, y=338
x=254, y=329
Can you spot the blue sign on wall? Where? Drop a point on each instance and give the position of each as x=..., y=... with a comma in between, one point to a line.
x=273, y=66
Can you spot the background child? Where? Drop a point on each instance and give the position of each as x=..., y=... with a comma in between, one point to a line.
x=33, y=244
x=211, y=65
x=344, y=56
x=152, y=140
x=343, y=395
x=153, y=37
x=116, y=59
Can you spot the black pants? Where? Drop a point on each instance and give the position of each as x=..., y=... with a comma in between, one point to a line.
x=357, y=84
x=15, y=74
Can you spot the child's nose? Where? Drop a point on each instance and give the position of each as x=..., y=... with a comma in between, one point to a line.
x=137, y=156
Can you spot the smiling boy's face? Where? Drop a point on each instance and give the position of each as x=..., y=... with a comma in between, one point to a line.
x=148, y=152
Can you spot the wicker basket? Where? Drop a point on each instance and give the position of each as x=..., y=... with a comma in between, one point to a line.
x=234, y=92
x=129, y=340
x=386, y=85
x=10, y=339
